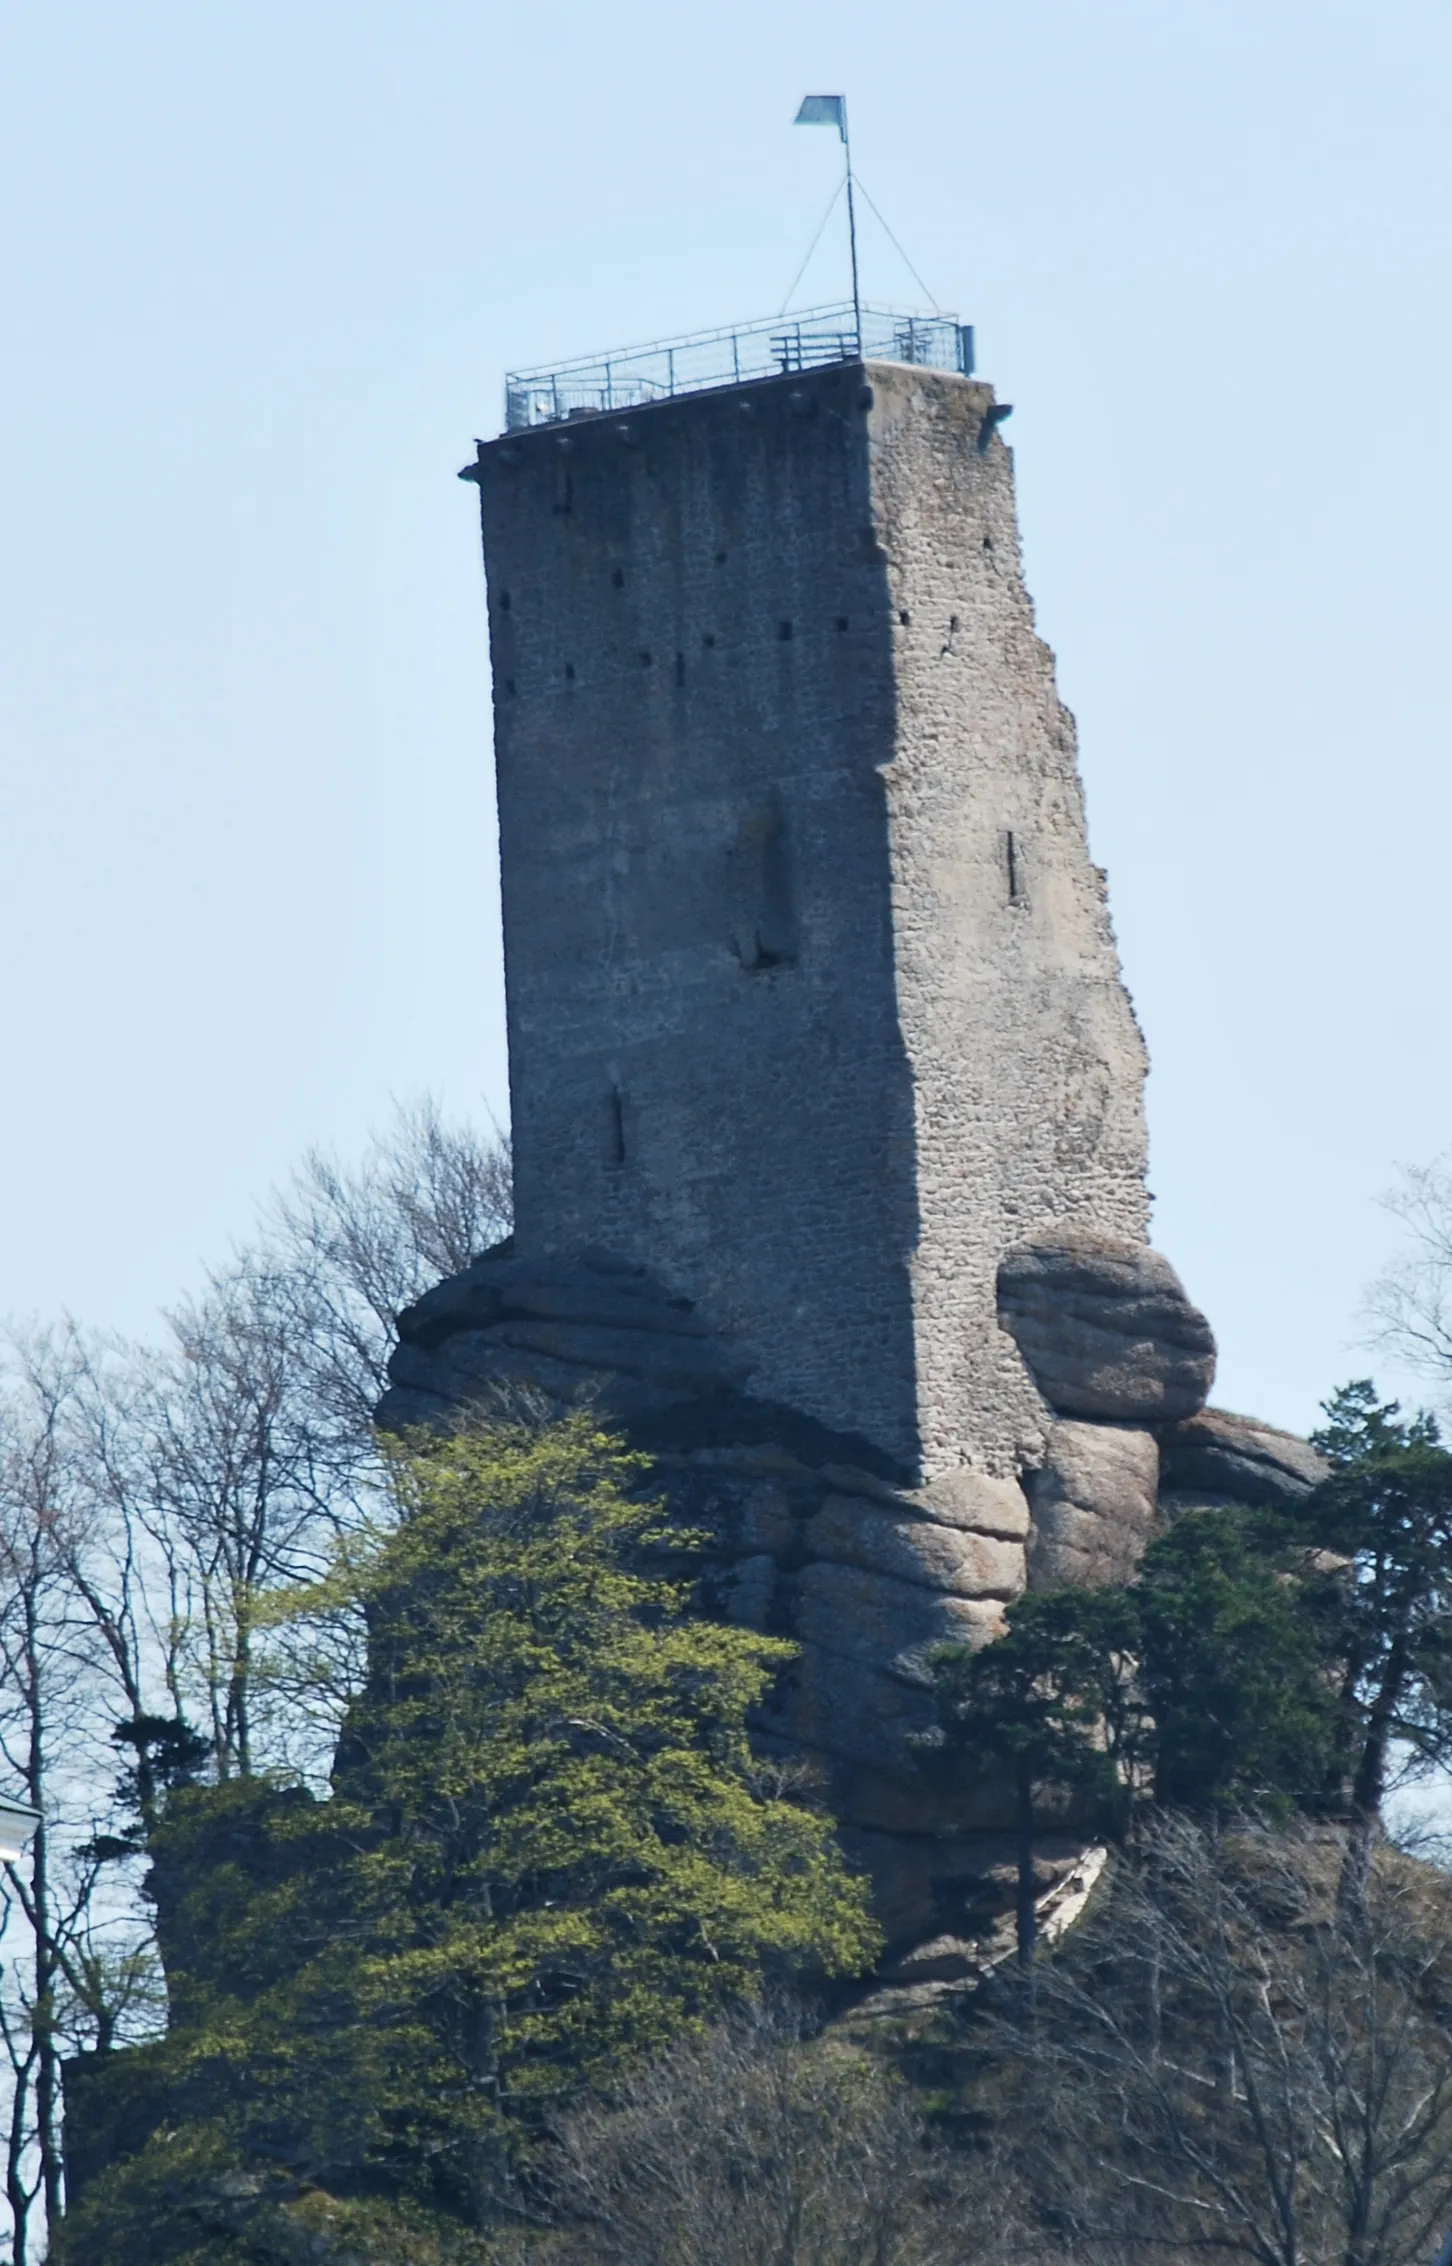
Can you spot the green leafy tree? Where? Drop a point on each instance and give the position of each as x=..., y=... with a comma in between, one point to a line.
x=1387, y=1510
x=1233, y=1665
x=1051, y=1707
x=547, y=1853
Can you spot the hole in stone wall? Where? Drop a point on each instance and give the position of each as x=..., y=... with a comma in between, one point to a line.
x=720, y=558
x=509, y=688
x=505, y=601
x=841, y=621
x=904, y=616
x=570, y=671
x=709, y=639
x=615, y=1129
x=645, y=658
x=680, y=668
x=783, y=629
x=1014, y=863
x=988, y=542
x=564, y=488
x=617, y=576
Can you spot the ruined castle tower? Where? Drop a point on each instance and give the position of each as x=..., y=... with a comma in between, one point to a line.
x=827, y=1094
x=814, y=1007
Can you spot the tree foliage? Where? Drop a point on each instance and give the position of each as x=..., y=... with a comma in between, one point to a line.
x=546, y=1854
x=1232, y=1665
x=1387, y=1509
x=1261, y=1659
x=1052, y=1707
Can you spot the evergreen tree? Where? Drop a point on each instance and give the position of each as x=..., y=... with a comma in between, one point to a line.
x=546, y=1854
x=1050, y=1706
x=1387, y=1509
x=1232, y=1664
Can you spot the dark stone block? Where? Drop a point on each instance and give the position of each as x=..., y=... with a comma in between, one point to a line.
x=1218, y=1453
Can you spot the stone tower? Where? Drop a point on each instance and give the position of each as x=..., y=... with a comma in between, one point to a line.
x=813, y=1002
x=827, y=1095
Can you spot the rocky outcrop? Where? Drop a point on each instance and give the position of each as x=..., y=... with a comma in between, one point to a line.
x=592, y=1324
x=1106, y=1329
x=816, y=1535
x=1094, y=1502
x=1237, y=1459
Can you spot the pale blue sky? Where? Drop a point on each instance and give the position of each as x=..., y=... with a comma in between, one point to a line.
x=263, y=269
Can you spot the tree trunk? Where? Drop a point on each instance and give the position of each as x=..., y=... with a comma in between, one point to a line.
x=1027, y=1915
x=1369, y=1785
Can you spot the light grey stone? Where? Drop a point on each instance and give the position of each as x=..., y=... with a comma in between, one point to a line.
x=887, y=1625
x=849, y=1532
x=973, y=1500
x=1105, y=1327
x=1094, y=1505
x=813, y=996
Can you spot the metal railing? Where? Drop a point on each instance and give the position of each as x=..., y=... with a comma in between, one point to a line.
x=600, y=383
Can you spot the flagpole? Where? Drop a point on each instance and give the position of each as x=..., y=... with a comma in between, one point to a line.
x=852, y=232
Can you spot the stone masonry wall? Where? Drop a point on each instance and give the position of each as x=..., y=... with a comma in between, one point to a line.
x=814, y=1008
x=1028, y=1065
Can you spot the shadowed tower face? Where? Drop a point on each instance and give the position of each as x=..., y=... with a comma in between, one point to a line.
x=814, y=1006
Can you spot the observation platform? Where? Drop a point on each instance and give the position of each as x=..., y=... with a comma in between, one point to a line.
x=599, y=384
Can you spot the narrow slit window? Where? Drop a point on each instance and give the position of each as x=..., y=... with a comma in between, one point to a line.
x=1013, y=859
x=617, y=1126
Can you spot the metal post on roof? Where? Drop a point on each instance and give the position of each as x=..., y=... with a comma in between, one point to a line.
x=852, y=234
x=831, y=110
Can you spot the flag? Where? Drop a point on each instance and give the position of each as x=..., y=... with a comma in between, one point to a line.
x=823, y=110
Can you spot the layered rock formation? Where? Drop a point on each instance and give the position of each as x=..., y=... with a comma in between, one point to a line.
x=818, y=1536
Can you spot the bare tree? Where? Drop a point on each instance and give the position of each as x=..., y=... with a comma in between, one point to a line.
x=80, y=1974
x=1408, y=1308
x=151, y=1500
x=356, y=1244
x=759, y=2145
x=248, y=1444
x=1234, y=2060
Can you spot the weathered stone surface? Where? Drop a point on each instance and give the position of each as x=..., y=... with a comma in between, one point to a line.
x=763, y=1520
x=591, y=1328
x=885, y=1624
x=848, y=1532
x=815, y=1537
x=1238, y=1458
x=809, y=1049
x=1106, y=1329
x=972, y=1500
x=593, y=1287
x=1094, y=1503
x=749, y=1591
x=955, y=1883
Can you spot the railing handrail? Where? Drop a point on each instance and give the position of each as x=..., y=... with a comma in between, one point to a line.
x=631, y=376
